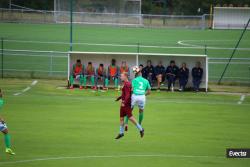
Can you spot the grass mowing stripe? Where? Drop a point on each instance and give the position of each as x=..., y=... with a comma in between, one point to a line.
x=160, y=100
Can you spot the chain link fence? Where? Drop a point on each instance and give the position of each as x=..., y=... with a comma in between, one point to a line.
x=119, y=19
x=34, y=64
x=52, y=64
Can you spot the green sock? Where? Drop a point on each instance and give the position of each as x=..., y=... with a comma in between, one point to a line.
x=140, y=117
x=126, y=120
x=84, y=81
x=71, y=80
x=116, y=82
x=106, y=82
x=7, y=140
x=92, y=80
x=81, y=80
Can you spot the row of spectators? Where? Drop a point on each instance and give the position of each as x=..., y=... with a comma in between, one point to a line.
x=101, y=74
x=158, y=73
x=171, y=73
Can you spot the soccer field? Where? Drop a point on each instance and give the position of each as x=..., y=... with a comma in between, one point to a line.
x=55, y=38
x=55, y=127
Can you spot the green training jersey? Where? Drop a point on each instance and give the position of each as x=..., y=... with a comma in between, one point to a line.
x=1, y=103
x=140, y=85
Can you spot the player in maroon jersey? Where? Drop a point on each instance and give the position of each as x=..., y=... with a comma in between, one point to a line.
x=125, y=109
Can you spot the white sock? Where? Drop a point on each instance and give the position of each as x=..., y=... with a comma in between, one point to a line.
x=121, y=129
x=139, y=127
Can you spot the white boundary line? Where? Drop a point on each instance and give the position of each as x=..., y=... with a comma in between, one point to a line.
x=242, y=98
x=26, y=89
x=185, y=43
x=112, y=156
x=181, y=42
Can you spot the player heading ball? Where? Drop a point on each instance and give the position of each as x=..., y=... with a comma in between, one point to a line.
x=125, y=109
x=140, y=89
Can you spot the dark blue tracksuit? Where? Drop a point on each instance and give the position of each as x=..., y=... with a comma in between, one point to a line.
x=159, y=70
x=171, y=73
x=197, y=73
x=144, y=74
x=149, y=73
x=183, y=77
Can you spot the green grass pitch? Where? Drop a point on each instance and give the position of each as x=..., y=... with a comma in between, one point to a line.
x=45, y=33
x=56, y=127
x=121, y=35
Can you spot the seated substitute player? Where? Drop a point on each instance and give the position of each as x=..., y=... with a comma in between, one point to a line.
x=89, y=74
x=149, y=72
x=143, y=72
x=183, y=76
x=171, y=74
x=140, y=89
x=77, y=73
x=113, y=73
x=159, y=73
x=197, y=73
x=124, y=68
x=4, y=129
x=125, y=109
x=100, y=75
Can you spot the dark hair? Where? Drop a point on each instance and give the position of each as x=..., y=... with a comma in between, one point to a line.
x=78, y=61
x=101, y=65
x=141, y=65
x=90, y=62
x=113, y=61
x=172, y=61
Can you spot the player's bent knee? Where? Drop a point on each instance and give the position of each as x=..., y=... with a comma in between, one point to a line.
x=141, y=110
x=5, y=131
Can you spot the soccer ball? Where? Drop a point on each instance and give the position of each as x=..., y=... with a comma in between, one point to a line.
x=136, y=69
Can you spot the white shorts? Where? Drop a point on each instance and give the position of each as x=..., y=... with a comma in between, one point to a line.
x=78, y=77
x=139, y=100
x=3, y=126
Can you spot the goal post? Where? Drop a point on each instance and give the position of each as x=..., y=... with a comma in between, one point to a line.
x=230, y=17
x=106, y=12
x=133, y=59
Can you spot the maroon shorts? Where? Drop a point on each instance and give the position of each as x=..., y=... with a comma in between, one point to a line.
x=126, y=111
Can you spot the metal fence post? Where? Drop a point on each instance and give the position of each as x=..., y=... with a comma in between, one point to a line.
x=235, y=49
x=2, y=56
x=51, y=63
x=71, y=25
x=205, y=49
x=44, y=17
x=203, y=22
x=2, y=14
x=138, y=52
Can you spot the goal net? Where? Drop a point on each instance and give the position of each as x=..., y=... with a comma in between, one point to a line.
x=133, y=59
x=230, y=17
x=118, y=12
